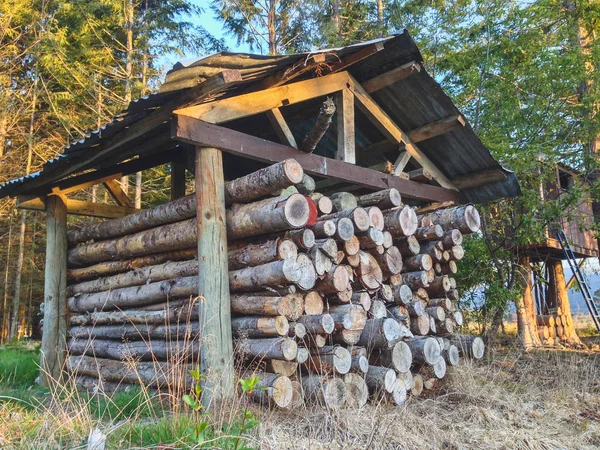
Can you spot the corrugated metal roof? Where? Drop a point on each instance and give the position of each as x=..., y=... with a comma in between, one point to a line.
x=411, y=103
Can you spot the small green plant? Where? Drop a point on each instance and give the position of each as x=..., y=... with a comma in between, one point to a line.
x=248, y=420
x=193, y=400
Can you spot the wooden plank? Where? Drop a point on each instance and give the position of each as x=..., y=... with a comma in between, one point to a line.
x=117, y=193
x=281, y=127
x=434, y=207
x=54, y=333
x=216, y=358
x=178, y=178
x=228, y=109
x=401, y=163
x=77, y=207
x=355, y=57
x=344, y=105
x=436, y=128
x=122, y=140
x=393, y=132
x=198, y=132
x=391, y=77
x=479, y=178
x=286, y=75
x=421, y=175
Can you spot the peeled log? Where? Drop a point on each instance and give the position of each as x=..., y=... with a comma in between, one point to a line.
x=277, y=273
x=274, y=348
x=262, y=253
x=464, y=218
x=385, y=199
x=267, y=216
x=114, y=267
x=145, y=350
x=290, y=306
x=150, y=373
x=381, y=379
x=401, y=221
x=380, y=334
x=330, y=360
x=424, y=350
x=130, y=297
x=357, y=392
x=328, y=391
x=259, y=327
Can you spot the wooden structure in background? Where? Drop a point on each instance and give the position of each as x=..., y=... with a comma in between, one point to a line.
x=233, y=114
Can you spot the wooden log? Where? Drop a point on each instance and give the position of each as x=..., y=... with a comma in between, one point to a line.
x=357, y=392
x=144, y=350
x=272, y=348
x=136, y=331
x=327, y=391
x=408, y=246
x=386, y=293
x=352, y=246
x=277, y=389
x=385, y=199
x=344, y=230
x=267, y=216
x=152, y=374
x=414, y=280
x=433, y=249
x=452, y=238
x=303, y=238
x=313, y=341
x=401, y=221
x=321, y=261
x=361, y=298
x=458, y=318
x=451, y=355
x=447, y=326
x=324, y=204
x=188, y=311
x=307, y=186
x=406, y=380
x=420, y=325
x=433, y=325
x=424, y=350
x=303, y=354
x=308, y=274
x=114, y=267
x=417, y=263
x=360, y=364
x=342, y=201
x=400, y=313
x=399, y=357
x=360, y=218
x=260, y=327
x=437, y=313
x=324, y=228
x=545, y=320
x=348, y=317
x=443, y=302
x=285, y=368
x=313, y=303
x=369, y=272
x=388, y=239
x=318, y=324
x=336, y=280
x=330, y=359
x=449, y=268
x=433, y=232
x=439, y=286
x=457, y=252
x=415, y=309
x=327, y=246
x=453, y=294
x=277, y=273
x=381, y=379
x=291, y=306
x=468, y=346
x=262, y=253
x=402, y=294
x=378, y=310
x=130, y=297
x=464, y=218
x=418, y=385
x=380, y=333
x=318, y=130
x=390, y=262
x=543, y=332
x=376, y=216
x=398, y=396
x=137, y=277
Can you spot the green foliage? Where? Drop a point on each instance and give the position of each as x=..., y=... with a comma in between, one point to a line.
x=19, y=365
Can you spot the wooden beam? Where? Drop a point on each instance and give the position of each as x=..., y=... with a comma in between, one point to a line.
x=391, y=77
x=436, y=128
x=216, y=358
x=284, y=76
x=228, y=109
x=434, y=207
x=421, y=175
x=480, y=178
x=281, y=127
x=178, y=178
x=54, y=333
x=116, y=191
x=77, y=207
x=344, y=105
x=162, y=115
x=198, y=132
x=387, y=126
x=355, y=57
x=401, y=163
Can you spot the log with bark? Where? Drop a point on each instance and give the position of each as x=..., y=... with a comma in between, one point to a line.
x=386, y=199
x=325, y=390
x=463, y=218
x=275, y=388
x=270, y=348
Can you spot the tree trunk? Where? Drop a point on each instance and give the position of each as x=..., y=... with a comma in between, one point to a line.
x=14, y=321
x=526, y=321
x=557, y=275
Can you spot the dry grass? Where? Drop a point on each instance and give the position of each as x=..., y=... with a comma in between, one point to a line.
x=536, y=400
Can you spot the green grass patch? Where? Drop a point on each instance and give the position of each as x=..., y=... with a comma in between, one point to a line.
x=19, y=364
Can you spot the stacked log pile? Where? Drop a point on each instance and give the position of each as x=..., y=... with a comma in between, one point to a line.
x=334, y=299
x=554, y=328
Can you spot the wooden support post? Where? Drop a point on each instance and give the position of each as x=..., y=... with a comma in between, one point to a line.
x=558, y=284
x=344, y=104
x=177, y=178
x=216, y=360
x=54, y=335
